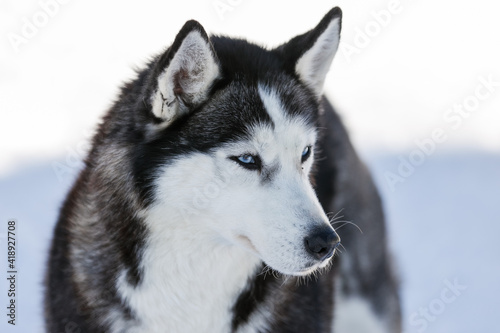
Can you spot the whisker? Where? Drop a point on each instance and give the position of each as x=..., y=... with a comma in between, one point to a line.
x=265, y=270
x=345, y=223
x=300, y=281
x=335, y=215
x=286, y=278
x=343, y=246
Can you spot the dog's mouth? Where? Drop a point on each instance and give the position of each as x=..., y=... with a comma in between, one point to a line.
x=311, y=268
x=306, y=271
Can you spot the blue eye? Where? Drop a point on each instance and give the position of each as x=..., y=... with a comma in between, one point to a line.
x=247, y=159
x=306, y=153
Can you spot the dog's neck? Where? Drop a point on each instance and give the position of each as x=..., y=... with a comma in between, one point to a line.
x=188, y=269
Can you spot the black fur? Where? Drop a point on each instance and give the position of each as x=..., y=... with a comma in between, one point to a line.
x=299, y=304
x=248, y=301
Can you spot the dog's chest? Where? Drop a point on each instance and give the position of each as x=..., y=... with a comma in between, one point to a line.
x=189, y=284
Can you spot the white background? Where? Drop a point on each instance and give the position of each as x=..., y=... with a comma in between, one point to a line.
x=408, y=71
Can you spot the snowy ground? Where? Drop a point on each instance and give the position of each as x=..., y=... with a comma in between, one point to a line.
x=444, y=222
x=418, y=88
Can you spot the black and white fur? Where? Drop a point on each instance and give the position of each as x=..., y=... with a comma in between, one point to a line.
x=202, y=204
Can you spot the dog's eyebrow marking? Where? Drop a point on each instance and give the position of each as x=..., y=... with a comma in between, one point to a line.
x=272, y=104
x=278, y=111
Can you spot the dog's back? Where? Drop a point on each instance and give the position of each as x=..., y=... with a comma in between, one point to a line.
x=202, y=203
x=366, y=280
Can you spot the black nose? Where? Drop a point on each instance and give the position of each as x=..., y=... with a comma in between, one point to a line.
x=321, y=243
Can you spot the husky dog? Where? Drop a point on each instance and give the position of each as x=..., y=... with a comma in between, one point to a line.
x=201, y=207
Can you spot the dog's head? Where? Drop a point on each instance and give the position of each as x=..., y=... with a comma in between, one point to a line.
x=230, y=144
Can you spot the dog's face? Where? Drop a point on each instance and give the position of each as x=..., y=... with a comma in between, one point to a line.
x=235, y=127
x=269, y=205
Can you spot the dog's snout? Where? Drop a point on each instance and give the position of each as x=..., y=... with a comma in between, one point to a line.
x=321, y=243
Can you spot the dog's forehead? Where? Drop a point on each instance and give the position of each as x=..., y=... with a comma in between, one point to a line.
x=243, y=111
x=271, y=119
x=290, y=128
x=245, y=104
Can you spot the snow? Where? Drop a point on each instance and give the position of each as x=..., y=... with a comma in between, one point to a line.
x=426, y=63
x=444, y=221
x=32, y=195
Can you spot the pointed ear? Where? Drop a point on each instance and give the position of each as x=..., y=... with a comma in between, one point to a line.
x=311, y=54
x=184, y=74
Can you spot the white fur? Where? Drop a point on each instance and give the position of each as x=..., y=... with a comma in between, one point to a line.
x=195, y=57
x=192, y=275
x=354, y=315
x=259, y=320
x=314, y=64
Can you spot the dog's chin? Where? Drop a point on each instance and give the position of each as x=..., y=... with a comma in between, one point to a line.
x=303, y=272
x=308, y=270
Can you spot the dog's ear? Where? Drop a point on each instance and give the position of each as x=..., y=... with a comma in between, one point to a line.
x=310, y=55
x=184, y=74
